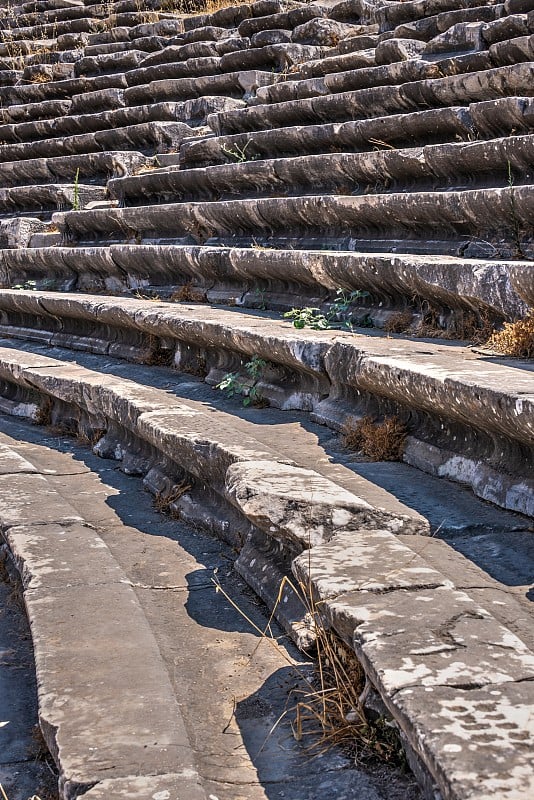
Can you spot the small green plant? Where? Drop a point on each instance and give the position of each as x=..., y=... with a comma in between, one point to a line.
x=234, y=384
x=239, y=154
x=307, y=317
x=25, y=285
x=337, y=317
x=76, y=193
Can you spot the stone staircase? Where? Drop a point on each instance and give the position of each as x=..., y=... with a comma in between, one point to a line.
x=172, y=181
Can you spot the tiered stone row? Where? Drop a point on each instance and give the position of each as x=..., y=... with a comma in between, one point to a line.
x=265, y=156
x=415, y=194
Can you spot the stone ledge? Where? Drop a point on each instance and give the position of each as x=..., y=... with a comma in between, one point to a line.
x=459, y=684
x=503, y=286
x=329, y=373
x=106, y=713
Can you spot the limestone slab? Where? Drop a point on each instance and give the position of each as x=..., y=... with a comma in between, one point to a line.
x=106, y=704
x=29, y=498
x=299, y=505
x=365, y=560
x=56, y=556
x=176, y=786
x=478, y=742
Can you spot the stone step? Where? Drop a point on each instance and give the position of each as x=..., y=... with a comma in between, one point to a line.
x=148, y=44
x=182, y=68
x=30, y=18
x=278, y=57
x=452, y=222
x=39, y=59
x=123, y=61
x=51, y=30
x=23, y=48
x=93, y=167
x=373, y=562
x=49, y=197
x=60, y=90
x=394, y=14
x=378, y=101
x=461, y=408
x=419, y=127
x=10, y=77
x=191, y=112
x=20, y=231
x=232, y=16
x=450, y=286
x=365, y=77
x=356, y=59
x=230, y=84
x=421, y=644
x=429, y=26
x=148, y=136
x=454, y=165
x=83, y=684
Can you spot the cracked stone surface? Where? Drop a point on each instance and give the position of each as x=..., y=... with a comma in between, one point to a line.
x=230, y=687
x=485, y=731
x=22, y=774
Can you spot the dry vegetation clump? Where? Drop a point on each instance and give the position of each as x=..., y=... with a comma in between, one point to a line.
x=516, y=338
x=164, y=500
x=44, y=413
x=155, y=355
x=398, y=322
x=191, y=7
x=467, y=326
x=328, y=710
x=188, y=294
x=379, y=441
x=331, y=713
x=4, y=796
x=90, y=437
x=333, y=698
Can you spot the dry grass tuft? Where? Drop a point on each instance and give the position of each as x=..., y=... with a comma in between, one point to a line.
x=467, y=326
x=188, y=294
x=379, y=441
x=196, y=366
x=516, y=338
x=398, y=322
x=4, y=796
x=41, y=77
x=164, y=500
x=38, y=748
x=90, y=437
x=329, y=707
x=155, y=355
x=193, y=7
x=44, y=413
x=329, y=710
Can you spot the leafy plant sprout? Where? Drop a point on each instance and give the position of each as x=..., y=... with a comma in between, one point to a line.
x=239, y=154
x=234, y=384
x=337, y=317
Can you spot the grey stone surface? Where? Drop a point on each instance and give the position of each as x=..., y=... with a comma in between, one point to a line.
x=489, y=400
x=215, y=661
x=154, y=787
x=364, y=560
x=22, y=773
x=301, y=507
x=383, y=147
x=482, y=738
